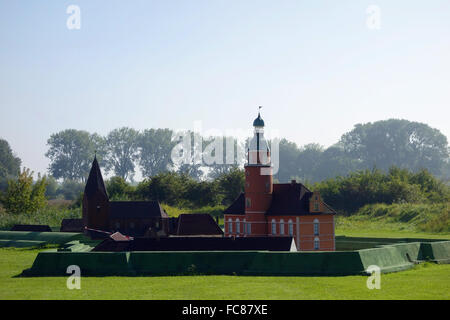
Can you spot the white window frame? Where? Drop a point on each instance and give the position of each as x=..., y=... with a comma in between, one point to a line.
x=291, y=228
x=316, y=227
x=316, y=243
x=238, y=226
x=230, y=225
x=282, y=227
x=274, y=227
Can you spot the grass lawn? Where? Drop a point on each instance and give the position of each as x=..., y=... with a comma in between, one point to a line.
x=427, y=281
x=365, y=227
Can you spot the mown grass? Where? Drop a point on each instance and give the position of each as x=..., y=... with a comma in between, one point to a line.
x=427, y=281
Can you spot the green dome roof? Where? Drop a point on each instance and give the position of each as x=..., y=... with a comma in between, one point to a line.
x=259, y=122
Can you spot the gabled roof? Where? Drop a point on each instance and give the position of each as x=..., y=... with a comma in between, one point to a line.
x=95, y=181
x=292, y=199
x=135, y=209
x=287, y=199
x=197, y=224
x=237, y=207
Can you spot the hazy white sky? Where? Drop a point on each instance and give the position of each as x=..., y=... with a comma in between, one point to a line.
x=315, y=66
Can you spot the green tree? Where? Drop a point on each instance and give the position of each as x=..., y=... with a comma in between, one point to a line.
x=166, y=187
x=333, y=162
x=71, y=153
x=9, y=164
x=399, y=143
x=121, y=146
x=288, y=157
x=71, y=189
x=203, y=193
x=155, y=147
x=357, y=189
x=308, y=161
x=231, y=185
x=191, y=163
x=24, y=196
x=230, y=157
x=52, y=189
x=119, y=189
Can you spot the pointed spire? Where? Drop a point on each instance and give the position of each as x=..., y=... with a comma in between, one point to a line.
x=95, y=180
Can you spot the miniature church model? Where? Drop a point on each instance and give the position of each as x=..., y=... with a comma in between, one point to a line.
x=136, y=218
x=284, y=209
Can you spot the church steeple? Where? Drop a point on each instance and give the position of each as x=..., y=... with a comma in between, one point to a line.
x=95, y=181
x=95, y=200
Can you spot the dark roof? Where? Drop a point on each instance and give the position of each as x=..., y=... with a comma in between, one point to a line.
x=237, y=207
x=259, y=122
x=95, y=181
x=197, y=224
x=291, y=199
x=72, y=225
x=135, y=209
x=287, y=199
x=31, y=227
x=199, y=244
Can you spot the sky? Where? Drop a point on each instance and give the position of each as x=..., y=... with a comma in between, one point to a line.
x=317, y=67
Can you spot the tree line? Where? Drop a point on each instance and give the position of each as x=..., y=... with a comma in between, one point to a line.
x=382, y=144
x=379, y=145
x=347, y=194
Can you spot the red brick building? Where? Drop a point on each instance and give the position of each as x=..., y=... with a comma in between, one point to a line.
x=285, y=209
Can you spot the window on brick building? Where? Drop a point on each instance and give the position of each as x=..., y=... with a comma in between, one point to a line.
x=248, y=202
x=230, y=225
x=316, y=227
x=291, y=227
x=238, y=226
x=274, y=227
x=316, y=243
x=281, y=226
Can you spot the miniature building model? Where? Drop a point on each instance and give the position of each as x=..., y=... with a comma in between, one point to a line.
x=286, y=209
x=133, y=218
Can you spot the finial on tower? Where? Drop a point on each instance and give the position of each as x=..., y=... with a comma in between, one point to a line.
x=259, y=122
